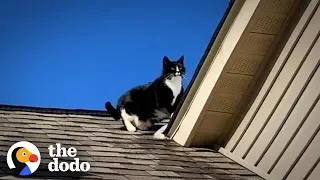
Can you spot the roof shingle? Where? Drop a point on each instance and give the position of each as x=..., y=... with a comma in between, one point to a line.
x=111, y=152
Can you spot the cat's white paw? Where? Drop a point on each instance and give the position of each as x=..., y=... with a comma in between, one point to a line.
x=158, y=135
x=131, y=128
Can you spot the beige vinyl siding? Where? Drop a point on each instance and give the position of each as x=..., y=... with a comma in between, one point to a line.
x=279, y=137
x=314, y=173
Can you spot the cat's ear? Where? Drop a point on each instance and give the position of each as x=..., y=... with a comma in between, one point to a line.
x=181, y=60
x=166, y=61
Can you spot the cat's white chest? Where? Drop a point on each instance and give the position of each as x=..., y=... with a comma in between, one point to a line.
x=175, y=84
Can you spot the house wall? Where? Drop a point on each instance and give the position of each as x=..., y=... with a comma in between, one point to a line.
x=278, y=137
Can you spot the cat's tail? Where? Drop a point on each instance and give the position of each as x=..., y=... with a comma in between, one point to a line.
x=112, y=111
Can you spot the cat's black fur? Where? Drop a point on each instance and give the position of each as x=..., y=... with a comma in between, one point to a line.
x=145, y=99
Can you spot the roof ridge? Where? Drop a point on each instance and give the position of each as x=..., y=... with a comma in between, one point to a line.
x=6, y=107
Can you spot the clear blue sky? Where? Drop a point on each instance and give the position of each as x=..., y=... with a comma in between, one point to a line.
x=79, y=54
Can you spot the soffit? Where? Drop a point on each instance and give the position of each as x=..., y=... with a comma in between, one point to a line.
x=248, y=59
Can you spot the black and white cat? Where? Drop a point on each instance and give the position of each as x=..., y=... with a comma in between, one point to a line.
x=142, y=106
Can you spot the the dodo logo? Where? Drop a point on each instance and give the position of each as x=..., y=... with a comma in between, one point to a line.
x=24, y=157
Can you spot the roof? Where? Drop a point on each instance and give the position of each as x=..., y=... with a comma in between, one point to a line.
x=111, y=152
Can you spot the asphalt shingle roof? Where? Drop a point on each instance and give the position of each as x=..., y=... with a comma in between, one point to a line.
x=112, y=153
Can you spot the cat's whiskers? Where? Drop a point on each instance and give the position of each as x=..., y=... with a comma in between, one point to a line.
x=169, y=76
x=184, y=76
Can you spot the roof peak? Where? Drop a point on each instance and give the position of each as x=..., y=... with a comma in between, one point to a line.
x=44, y=110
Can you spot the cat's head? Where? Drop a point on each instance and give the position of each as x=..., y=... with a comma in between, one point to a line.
x=173, y=68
